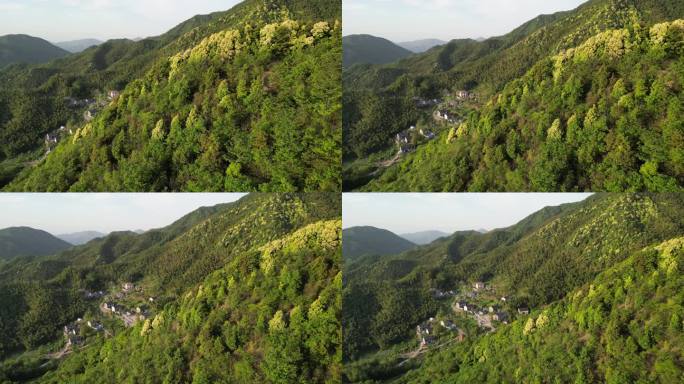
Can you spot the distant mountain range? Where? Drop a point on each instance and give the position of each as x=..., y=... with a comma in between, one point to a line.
x=367, y=49
x=24, y=241
x=76, y=46
x=79, y=238
x=424, y=237
x=24, y=49
x=420, y=46
x=365, y=241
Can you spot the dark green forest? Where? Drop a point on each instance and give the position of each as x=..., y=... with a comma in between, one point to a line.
x=600, y=277
x=242, y=100
x=23, y=241
x=624, y=327
x=563, y=104
x=247, y=291
x=26, y=49
x=368, y=241
x=369, y=49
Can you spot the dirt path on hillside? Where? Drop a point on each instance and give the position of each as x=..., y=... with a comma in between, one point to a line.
x=386, y=164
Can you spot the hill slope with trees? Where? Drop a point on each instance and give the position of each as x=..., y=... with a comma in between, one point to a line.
x=571, y=123
x=538, y=263
x=367, y=49
x=379, y=101
x=24, y=241
x=367, y=241
x=293, y=240
x=241, y=100
x=24, y=49
x=624, y=326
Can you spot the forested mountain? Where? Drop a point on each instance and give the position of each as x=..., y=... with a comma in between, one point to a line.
x=24, y=241
x=80, y=238
x=24, y=49
x=564, y=74
x=76, y=46
x=367, y=49
x=241, y=100
x=623, y=327
x=367, y=241
x=247, y=291
x=420, y=46
x=424, y=237
x=563, y=262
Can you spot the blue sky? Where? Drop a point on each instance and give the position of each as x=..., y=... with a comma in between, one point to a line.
x=61, y=20
x=447, y=212
x=406, y=20
x=60, y=213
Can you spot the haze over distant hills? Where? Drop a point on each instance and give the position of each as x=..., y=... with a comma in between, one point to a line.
x=79, y=238
x=367, y=49
x=25, y=241
x=76, y=46
x=419, y=46
x=364, y=241
x=24, y=49
x=424, y=237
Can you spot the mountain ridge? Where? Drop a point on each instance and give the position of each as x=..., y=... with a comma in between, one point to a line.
x=80, y=45
x=80, y=238
x=216, y=241
x=424, y=237
x=380, y=101
x=145, y=78
x=420, y=46
x=25, y=241
x=533, y=263
x=371, y=241
x=368, y=49
x=25, y=49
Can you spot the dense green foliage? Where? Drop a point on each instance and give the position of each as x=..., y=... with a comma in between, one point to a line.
x=23, y=49
x=167, y=262
x=25, y=241
x=270, y=315
x=365, y=241
x=572, y=123
x=508, y=143
x=624, y=327
x=247, y=99
x=537, y=262
x=367, y=49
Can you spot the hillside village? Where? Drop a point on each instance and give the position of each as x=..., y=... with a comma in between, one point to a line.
x=446, y=113
x=477, y=303
x=90, y=108
x=125, y=305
